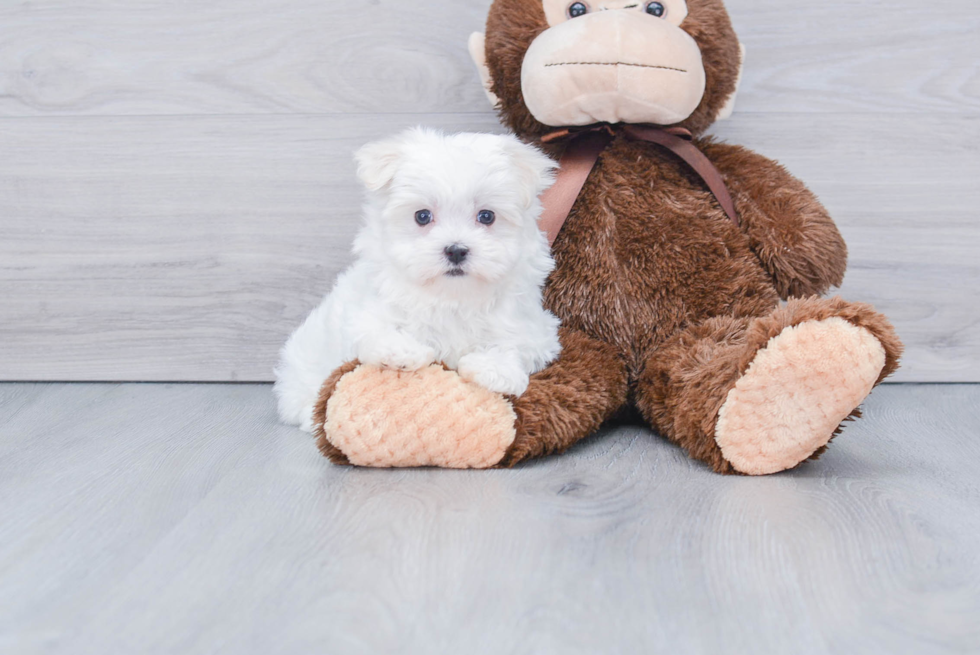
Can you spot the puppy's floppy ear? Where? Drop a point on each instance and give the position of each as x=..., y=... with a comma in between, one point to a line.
x=536, y=170
x=377, y=162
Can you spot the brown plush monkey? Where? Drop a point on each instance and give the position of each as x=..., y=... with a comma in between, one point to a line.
x=666, y=304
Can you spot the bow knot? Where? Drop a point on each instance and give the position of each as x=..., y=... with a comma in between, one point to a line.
x=611, y=129
x=582, y=151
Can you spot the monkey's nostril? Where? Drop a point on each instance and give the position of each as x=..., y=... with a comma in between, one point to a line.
x=456, y=253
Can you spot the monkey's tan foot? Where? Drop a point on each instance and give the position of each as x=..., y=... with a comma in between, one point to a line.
x=795, y=394
x=368, y=416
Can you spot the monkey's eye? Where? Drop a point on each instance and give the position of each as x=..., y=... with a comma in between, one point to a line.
x=423, y=217
x=486, y=217
x=577, y=9
x=656, y=9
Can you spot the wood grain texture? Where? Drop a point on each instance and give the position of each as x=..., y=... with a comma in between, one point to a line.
x=167, y=249
x=175, y=249
x=105, y=57
x=182, y=518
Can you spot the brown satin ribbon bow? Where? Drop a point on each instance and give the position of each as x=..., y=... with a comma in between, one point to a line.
x=582, y=152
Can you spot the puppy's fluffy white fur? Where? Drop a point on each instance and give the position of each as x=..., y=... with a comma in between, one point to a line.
x=403, y=303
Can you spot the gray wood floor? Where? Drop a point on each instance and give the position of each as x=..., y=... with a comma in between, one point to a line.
x=176, y=188
x=184, y=519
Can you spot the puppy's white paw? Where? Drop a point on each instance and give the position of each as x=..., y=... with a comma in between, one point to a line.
x=494, y=371
x=397, y=352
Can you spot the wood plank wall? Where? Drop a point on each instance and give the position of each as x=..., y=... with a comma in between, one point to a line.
x=176, y=188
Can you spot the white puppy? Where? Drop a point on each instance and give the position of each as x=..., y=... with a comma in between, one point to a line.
x=449, y=266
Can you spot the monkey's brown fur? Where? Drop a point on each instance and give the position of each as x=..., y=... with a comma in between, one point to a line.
x=664, y=302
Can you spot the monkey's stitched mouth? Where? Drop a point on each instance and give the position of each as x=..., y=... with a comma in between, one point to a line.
x=614, y=63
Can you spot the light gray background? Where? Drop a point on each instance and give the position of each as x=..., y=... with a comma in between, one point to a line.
x=176, y=189
x=196, y=524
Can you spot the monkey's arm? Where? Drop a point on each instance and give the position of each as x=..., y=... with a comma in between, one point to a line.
x=791, y=231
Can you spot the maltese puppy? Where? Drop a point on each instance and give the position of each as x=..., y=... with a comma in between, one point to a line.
x=448, y=268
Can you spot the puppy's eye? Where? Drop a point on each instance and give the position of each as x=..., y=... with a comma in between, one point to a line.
x=423, y=217
x=656, y=9
x=577, y=9
x=486, y=217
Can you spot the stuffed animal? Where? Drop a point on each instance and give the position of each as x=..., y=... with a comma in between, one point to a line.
x=672, y=260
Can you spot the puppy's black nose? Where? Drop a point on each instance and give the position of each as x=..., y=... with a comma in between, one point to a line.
x=456, y=253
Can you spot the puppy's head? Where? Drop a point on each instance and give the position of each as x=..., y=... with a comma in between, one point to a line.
x=454, y=212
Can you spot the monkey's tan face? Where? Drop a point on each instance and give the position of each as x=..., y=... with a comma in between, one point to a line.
x=613, y=61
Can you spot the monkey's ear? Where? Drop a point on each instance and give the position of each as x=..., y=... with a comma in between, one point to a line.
x=726, y=112
x=478, y=51
x=378, y=161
